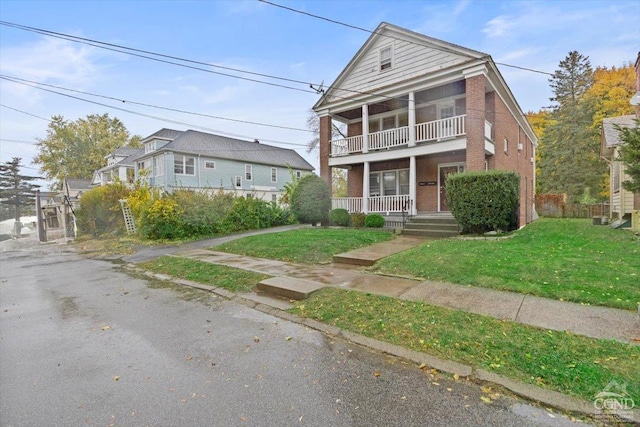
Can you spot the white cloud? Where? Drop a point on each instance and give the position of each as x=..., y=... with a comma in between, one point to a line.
x=498, y=26
x=461, y=7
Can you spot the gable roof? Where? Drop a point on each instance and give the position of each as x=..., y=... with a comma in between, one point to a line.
x=456, y=55
x=222, y=147
x=164, y=133
x=123, y=152
x=610, y=133
x=77, y=183
x=610, y=136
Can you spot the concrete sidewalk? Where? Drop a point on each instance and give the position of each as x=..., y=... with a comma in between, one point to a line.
x=591, y=321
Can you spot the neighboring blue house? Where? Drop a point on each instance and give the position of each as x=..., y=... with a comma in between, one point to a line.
x=120, y=166
x=197, y=160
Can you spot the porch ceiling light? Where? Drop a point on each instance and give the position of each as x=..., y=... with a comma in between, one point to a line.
x=635, y=99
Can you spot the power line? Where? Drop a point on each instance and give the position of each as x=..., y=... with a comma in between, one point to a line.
x=155, y=106
x=152, y=116
x=24, y=112
x=333, y=21
x=103, y=45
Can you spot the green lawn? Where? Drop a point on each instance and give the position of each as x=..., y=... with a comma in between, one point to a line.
x=305, y=246
x=559, y=361
x=564, y=259
x=232, y=279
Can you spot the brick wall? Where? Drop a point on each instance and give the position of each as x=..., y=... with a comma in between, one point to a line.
x=475, y=122
x=325, y=149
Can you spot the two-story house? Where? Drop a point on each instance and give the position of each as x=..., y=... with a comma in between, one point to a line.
x=198, y=160
x=416, y=109
x=120, y=166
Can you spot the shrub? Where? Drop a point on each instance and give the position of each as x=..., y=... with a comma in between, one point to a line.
x=252, y=213
x=484, y=201
x=162, y=220
x=311, y=200
x=339, y=217
x=100, y=211
x=374, y=220
x=357, y=219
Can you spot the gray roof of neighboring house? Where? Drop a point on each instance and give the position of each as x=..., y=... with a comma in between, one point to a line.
x=222, y=147
x=124, y=151
x=78, y=183
x=611, y=134
x=165, y=133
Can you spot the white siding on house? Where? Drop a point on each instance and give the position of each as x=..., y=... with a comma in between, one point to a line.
x=409, y=60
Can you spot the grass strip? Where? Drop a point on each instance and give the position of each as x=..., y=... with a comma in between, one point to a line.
x=563, y=259
x=560, y=361
x=305, y=246
x=229, y=278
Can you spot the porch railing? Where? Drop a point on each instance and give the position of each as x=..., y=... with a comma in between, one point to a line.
x=345, y=146
x=436, y=130
x=389, y=138
x=377, y=204
x=441, y=129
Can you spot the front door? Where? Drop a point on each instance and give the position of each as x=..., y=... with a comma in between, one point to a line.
x=444, y=171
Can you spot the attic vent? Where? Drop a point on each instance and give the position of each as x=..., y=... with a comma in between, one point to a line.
x=256, y=141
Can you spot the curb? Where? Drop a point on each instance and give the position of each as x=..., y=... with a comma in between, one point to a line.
x=548, y=398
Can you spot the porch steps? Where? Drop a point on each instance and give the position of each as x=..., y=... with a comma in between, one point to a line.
x=431, y=226
x=289, y=287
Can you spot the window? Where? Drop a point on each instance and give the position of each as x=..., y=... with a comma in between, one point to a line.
x=616, y=175
x=274, y=175
x=238, y=181
x=389, y=183
x=158, y=165
x=247, y=172
x=209, y=164
x=149, y=147
x=274, y=198
x=506, y=145
x=249, y=196
x=385, y=58
x=183, y=165
x=298, y=174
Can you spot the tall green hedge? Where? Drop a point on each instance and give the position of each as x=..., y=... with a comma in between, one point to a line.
x=484, y=201
x=311, y=200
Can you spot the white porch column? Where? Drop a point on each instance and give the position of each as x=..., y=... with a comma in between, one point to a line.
x=412, y=119
x=365, y=129
x=413, y=185
x=365, y=188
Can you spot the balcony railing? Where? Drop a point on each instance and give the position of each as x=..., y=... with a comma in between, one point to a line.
x=377, y=204
x=389, y=138
x=433, y=131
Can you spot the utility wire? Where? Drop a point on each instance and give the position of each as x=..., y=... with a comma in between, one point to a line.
x=155, y=106
x=152, y=116
x=24, y=112
x=387, y=35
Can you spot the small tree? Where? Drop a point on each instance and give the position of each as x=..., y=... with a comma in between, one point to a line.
x=630, y=155
x=16, y=189
x=311, y=200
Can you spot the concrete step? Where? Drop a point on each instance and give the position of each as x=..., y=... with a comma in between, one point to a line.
x=353, y=260
x=429, y=233
x=431, y=225
x=432, y=220
x=289, y=287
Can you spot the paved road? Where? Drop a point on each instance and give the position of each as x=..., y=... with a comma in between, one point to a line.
x=83, y=343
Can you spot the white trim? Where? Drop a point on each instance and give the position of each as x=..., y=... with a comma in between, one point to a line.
x=248, y=172
x=207, y=162
x=446, y=165
x=274, y=174
x=237, y=180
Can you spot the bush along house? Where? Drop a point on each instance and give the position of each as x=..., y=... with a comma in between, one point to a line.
x=417, y=109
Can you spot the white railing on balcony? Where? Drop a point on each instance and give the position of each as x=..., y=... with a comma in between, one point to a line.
x=342, y=147
x=441, y=129
x=487, y=130
x=351, y=204
x=377, y=204
x=389, y=138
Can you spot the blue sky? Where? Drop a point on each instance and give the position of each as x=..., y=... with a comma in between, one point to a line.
x=261, y=38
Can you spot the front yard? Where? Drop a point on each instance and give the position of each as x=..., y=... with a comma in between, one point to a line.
x=563, y=259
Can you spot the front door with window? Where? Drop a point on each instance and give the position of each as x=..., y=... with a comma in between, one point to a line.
x=443, y=172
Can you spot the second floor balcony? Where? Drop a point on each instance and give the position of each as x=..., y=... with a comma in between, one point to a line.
x=428, y=132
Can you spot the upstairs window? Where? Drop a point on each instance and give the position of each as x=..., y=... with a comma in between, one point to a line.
x=274, y=175
x=385, y=58
x=248, y=172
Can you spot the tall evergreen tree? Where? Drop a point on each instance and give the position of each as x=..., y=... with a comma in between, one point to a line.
x=630, y=156
x=16, y=190
x=569, y=156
